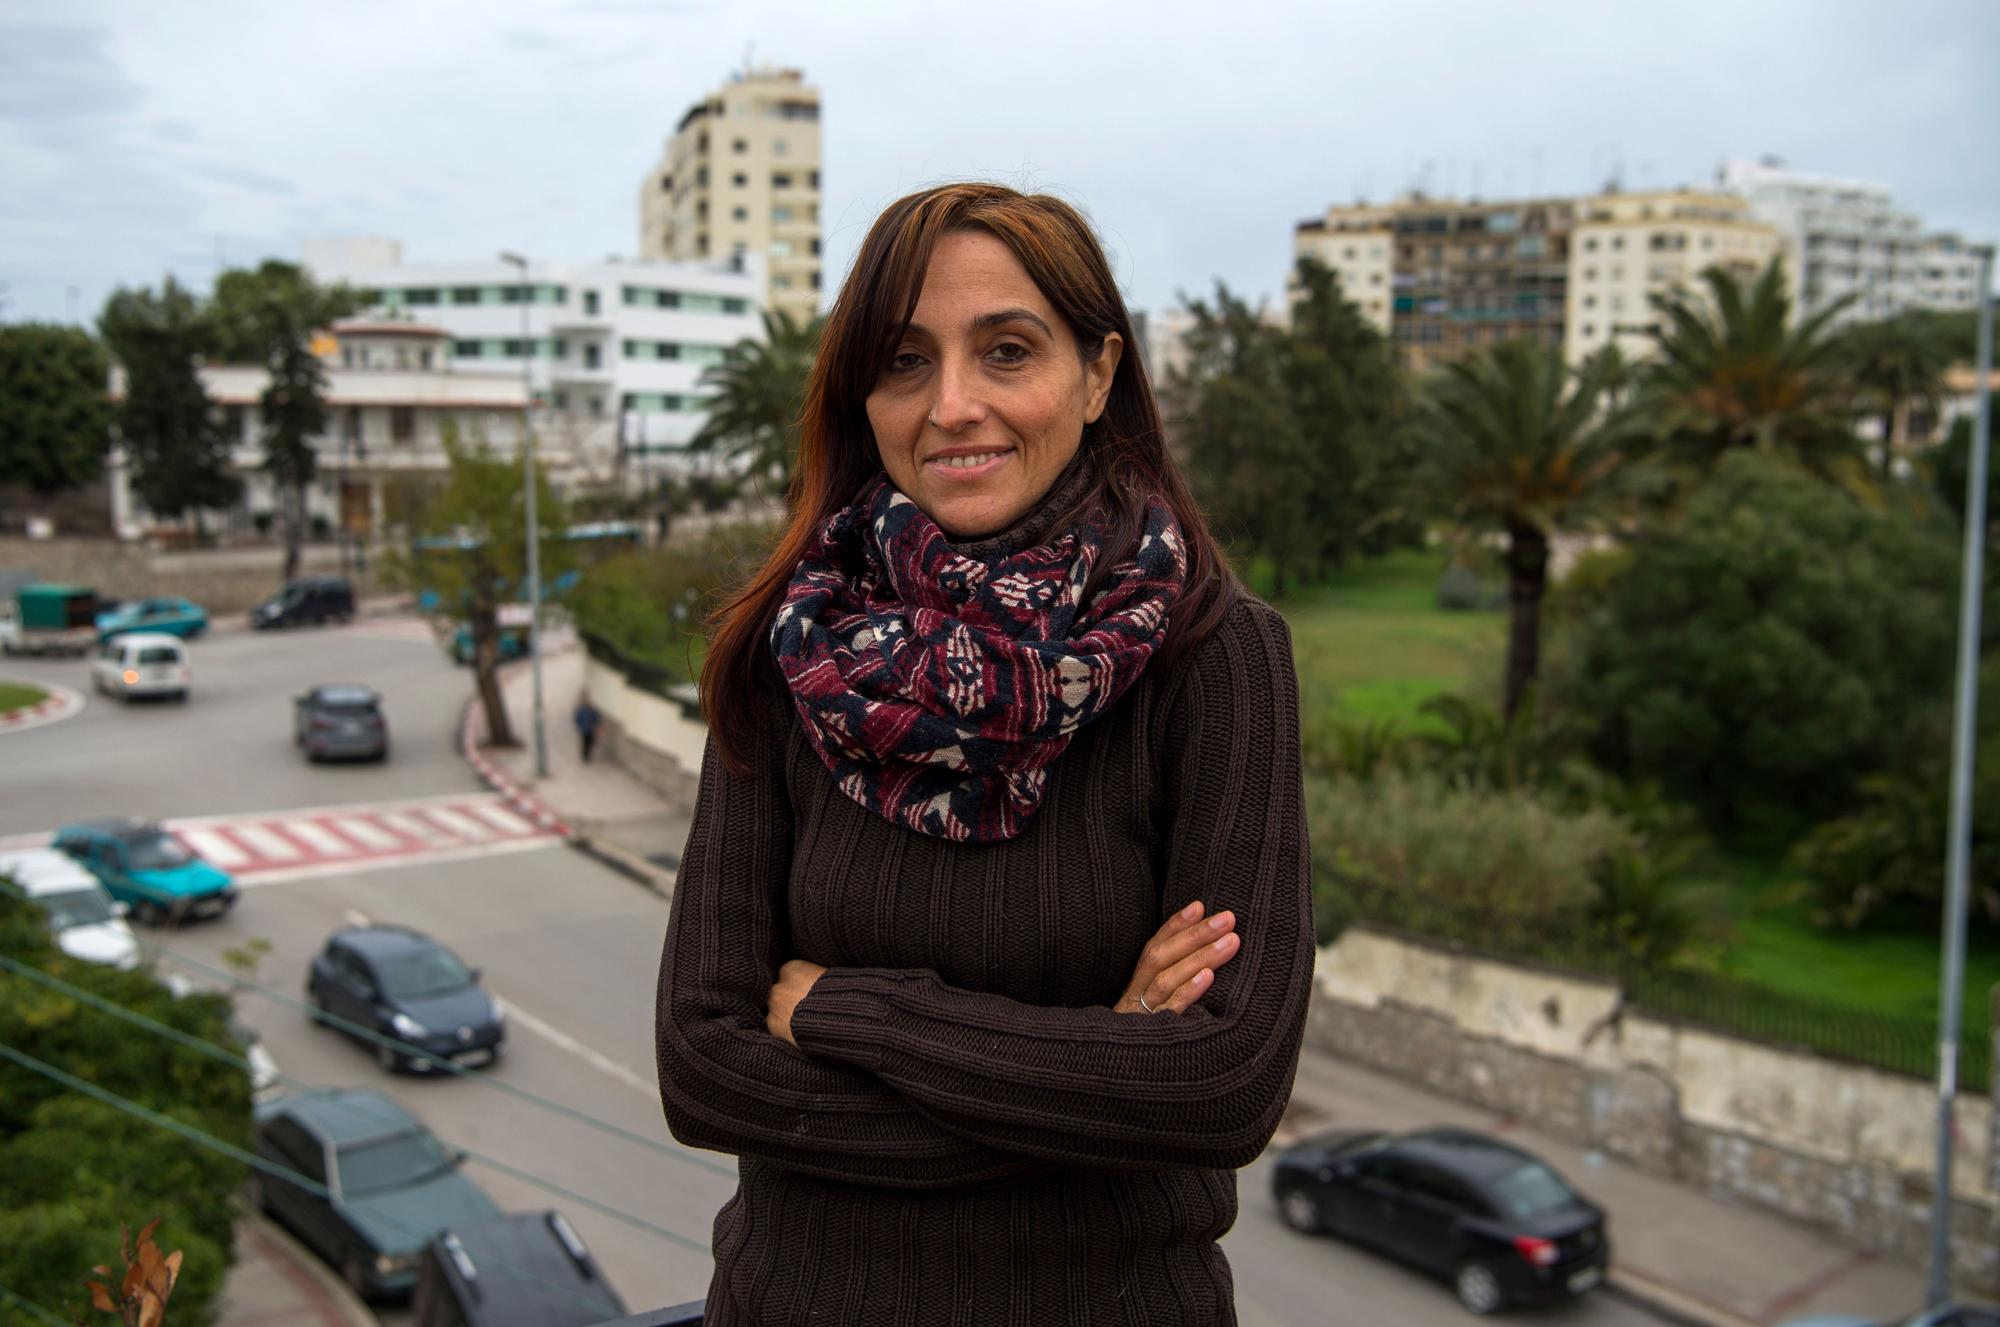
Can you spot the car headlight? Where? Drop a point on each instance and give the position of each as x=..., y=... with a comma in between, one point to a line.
x=405, y=1026
x=499, y=1009
x=386, y=1265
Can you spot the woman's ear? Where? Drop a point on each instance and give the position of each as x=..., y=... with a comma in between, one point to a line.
x=1099, y=374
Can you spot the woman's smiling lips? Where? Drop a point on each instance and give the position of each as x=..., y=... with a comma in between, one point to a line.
x=958, y=463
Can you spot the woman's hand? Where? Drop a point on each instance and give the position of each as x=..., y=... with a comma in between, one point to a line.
x=795, y=978
x=1178, y=964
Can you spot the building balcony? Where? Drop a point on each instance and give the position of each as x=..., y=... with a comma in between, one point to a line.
x=578, y=371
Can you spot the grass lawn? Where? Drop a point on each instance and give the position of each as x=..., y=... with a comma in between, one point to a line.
x=18, y=696
x=1371, y=642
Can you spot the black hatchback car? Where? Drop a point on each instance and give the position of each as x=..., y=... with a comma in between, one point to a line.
x=528, y=1269
x=401, y=984
x=1502, y=1225
x=337, y=721
x=306, y=600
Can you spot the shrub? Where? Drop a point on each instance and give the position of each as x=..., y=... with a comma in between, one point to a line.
x=1463, y=590
x=651, y=605
x=1770, y=652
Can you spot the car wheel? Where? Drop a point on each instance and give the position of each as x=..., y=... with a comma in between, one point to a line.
x=1478, y=1287
x=1301, y=1213
x=386, y=1056
x=355, y=1273
x=149, y=913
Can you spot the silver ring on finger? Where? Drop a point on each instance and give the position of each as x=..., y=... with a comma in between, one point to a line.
x=1148, y=1008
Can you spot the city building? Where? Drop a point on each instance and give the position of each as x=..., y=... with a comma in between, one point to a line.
x=614, y=350
x=1948, y=271
x=1627, y=248
x=740, y=176
x=1442, y=277
x=392, y=389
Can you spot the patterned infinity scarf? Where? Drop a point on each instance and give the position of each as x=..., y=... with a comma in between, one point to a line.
x=938, y=687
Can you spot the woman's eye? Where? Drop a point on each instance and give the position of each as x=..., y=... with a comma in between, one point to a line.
x=905, y=361
x=1010, y=352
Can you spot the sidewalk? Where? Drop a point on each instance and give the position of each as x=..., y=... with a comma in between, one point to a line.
x=277, y=1283
x=1693, y=1258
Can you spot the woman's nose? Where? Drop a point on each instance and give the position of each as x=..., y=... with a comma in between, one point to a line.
x=959, y=402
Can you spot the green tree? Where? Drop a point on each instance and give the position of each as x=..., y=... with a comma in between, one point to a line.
x=77, y=1168
x=1897, y=364
x=1734, y=371
x=267, y=315
x=470, y=555
x=1776, y=646
x=1519, y=446
x=758, y=391
x=179, y=457
x=55, y=416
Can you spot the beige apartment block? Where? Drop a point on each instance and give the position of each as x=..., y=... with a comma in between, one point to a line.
x=1358, y=243
x=740, y=176
x=1628, y=247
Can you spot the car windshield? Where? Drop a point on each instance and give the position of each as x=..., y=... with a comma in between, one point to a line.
x=158, y=852
x=76, y=907
x=422, y=973
x=364, y=709
x=392, y=1163
x=1532, y=1190
x=159, y=654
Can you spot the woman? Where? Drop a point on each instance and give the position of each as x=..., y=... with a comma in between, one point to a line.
x=1002, y=764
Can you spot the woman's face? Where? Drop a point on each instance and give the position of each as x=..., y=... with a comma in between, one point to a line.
x=985, y=398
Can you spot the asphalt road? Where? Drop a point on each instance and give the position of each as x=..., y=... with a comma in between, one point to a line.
x=570, y=946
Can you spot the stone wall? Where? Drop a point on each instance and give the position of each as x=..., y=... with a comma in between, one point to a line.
x=1845, y=1147
x=224, y=581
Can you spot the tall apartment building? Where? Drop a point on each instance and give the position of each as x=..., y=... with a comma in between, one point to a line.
x=1948, y=271
x=1626, y=248
x=1441, y=277
x=614, y=351
x=1849, y=236
x=740, y=176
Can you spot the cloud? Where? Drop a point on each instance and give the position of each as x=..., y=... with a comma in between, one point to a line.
x=242, y=177
x=52, y=78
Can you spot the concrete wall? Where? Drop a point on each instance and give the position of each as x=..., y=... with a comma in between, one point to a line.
x=658, y=741
x=1842, y=1146
x=224, y=581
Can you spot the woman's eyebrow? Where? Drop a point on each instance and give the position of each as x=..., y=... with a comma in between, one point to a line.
x=986, y=320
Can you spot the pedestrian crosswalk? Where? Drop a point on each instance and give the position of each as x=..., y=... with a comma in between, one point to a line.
x=270, y=847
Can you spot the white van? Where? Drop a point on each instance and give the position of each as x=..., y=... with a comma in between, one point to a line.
x=86, y=922
x=142, y=663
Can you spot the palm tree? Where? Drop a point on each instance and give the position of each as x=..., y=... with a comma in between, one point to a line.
x=1897, y=363
x=1523, y=447
x=1733, y=370
x=759, y=387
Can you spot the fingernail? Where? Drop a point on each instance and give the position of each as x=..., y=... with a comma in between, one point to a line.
x=1202, y=978
x=1191, y=911
x=1223, y=943
x=1218, y=921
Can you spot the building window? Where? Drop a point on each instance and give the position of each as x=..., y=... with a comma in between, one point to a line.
x=666, y=184
x=815, y=248
x=781, y=181
x=347, y=357
x=741, y=181
x=562, y=400
x=1589, y=330
x=424, y=358
x=812, y=179
x=740, y=145
x=739, y=214
x=402, y=423
x=1617, y=241
x=781, y=282
x=780, y=148
x=735, y=305
x=815, y=278
x=781, y=248
x=465, y=294
x=351, y=423
x=466, y=349
x=590, y=301
x=781, y=214
x=1590, y=301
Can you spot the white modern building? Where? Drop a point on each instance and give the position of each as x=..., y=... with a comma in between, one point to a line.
x=614, y=351
x=393, y=388
x=1948, y=272
x=1851, y=238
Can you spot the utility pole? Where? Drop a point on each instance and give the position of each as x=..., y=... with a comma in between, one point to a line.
x=534, y=525
x=1965, y=720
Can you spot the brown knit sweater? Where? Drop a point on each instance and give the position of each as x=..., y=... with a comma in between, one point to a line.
x=966, y=1134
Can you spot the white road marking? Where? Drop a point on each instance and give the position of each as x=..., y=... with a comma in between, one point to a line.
x=268, y=843
x=596, y=1059
x=215, y=846
x=285, y=875
x=366, y=832
x=319, y=838
x=356, y=917
x=498, y=816
x=411, y=827
x=463, y=826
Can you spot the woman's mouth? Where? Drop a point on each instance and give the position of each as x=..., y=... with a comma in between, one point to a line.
x=967, y=465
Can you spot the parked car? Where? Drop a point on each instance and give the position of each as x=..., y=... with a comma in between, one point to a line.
x=527, y=1269
x=1946, y=1315
x=142, y=663
x=511, y=642
x=404, y=985
x=307, y=600
x=1502, y=1225
x=340, y=720
x=87, y=922
x=170, y=616
x=159, y=877
x=390, y=1184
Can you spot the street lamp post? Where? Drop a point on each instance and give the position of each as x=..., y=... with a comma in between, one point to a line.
x=534, y=531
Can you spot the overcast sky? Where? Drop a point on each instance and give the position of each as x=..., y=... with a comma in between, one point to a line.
x=143, y=138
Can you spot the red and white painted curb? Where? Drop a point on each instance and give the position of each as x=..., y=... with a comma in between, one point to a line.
x=497, y=779
x=59, y=704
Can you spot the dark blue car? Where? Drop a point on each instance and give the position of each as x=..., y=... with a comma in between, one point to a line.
x=406, y=988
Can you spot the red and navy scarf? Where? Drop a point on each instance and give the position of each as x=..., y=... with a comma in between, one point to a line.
x=938, y=687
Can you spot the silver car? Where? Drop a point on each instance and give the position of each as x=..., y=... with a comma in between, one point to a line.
x=341, y=722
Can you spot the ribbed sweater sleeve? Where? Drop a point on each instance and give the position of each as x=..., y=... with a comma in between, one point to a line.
x=725, y=1082
x=1094, y=1088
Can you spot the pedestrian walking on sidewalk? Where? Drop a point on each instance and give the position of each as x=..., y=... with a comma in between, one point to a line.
x=587, y=718
x=992, y=939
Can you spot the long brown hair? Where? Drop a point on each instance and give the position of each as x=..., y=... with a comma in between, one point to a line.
x=1125, y=449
